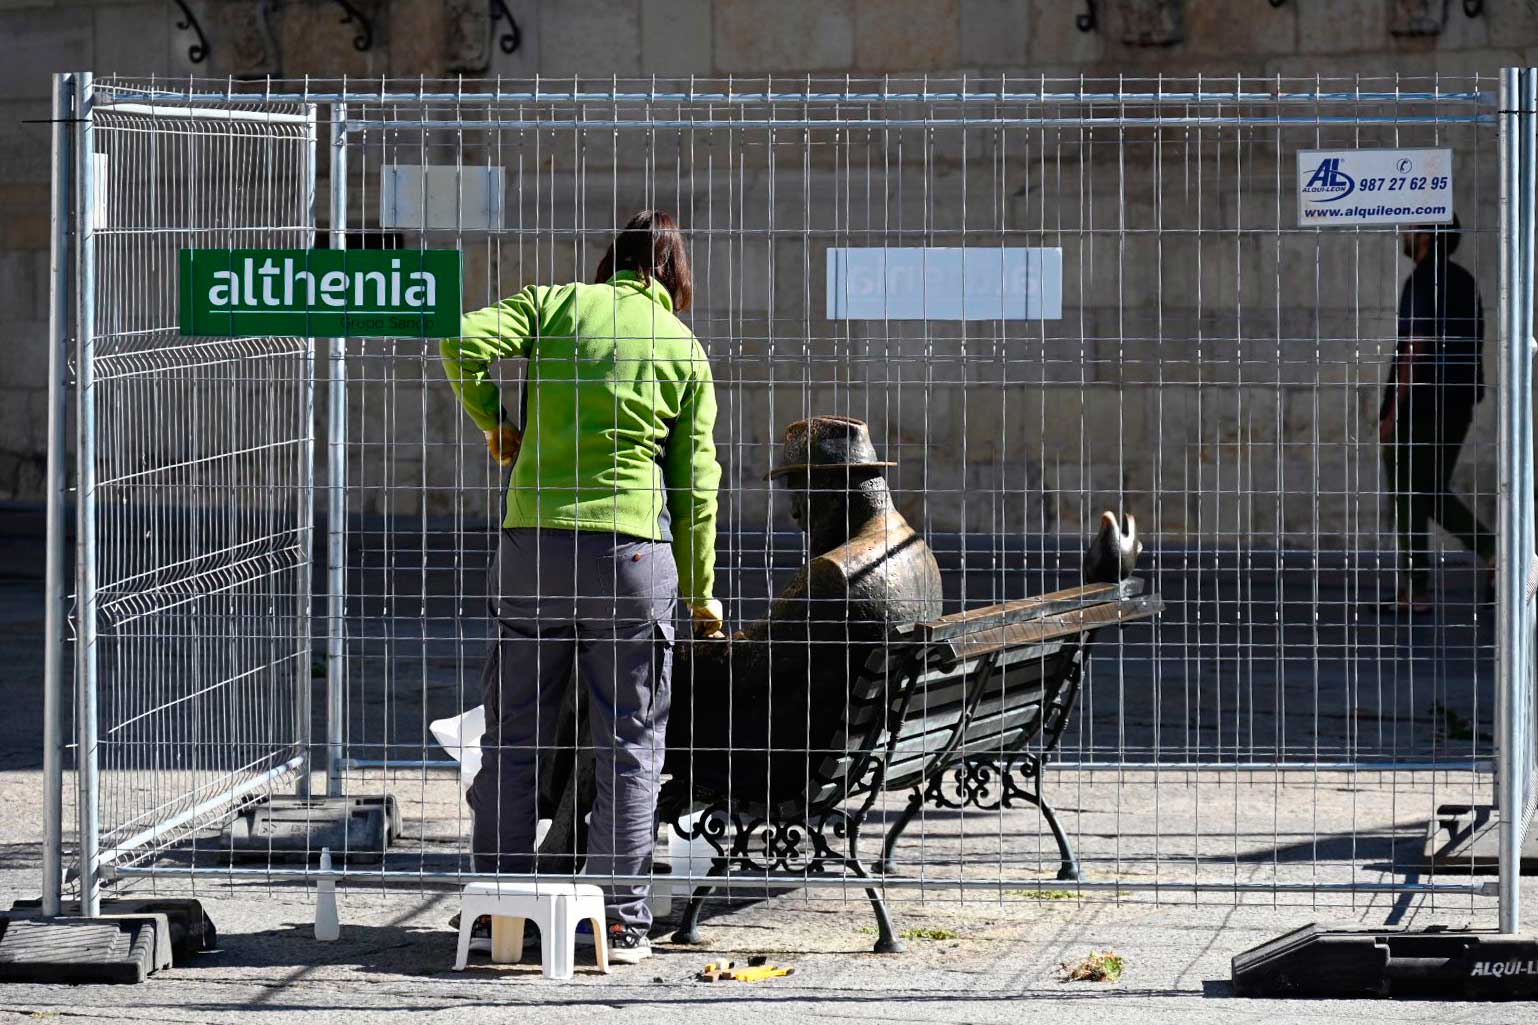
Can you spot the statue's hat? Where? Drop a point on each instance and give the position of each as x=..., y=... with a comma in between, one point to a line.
x=826, y=443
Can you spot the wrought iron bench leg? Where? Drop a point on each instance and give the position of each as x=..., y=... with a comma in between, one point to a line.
x=688, y=930
x=886, y=936
x=1069, y=870
x=889, y=846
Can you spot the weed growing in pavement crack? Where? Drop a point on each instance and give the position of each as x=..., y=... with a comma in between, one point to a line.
x=1101, y=966
x=1041, y=894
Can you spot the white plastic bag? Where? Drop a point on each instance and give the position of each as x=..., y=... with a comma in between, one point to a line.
x=461, y=738
x=684, y=858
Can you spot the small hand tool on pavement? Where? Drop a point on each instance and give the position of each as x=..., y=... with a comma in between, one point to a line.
x=757, y=970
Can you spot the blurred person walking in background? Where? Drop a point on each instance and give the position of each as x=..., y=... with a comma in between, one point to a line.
x=1437, y=380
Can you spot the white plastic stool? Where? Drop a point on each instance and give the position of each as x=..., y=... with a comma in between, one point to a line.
x=555, y=907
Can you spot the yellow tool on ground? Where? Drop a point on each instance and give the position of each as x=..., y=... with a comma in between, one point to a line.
x=757, y=970
x=767, y=971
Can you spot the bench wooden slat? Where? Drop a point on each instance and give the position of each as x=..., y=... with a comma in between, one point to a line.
x=1007, y=730
x=942, y=720
x=1024, y=609
x=927, y=733
x=983, y=642
x=1017, y=674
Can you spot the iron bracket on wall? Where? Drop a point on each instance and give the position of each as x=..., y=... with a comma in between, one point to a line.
x=365, y=37
x=1086, y=22
x=509, y=40
x=197, y=53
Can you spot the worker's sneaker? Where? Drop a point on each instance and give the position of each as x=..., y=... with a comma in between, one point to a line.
x=480, y=933
x=628, y=946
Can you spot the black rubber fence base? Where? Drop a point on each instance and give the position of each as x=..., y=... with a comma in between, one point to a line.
x=76, y=950
x=191, y=930
x=131, y=939
x=357, y=829
x=1317, y=961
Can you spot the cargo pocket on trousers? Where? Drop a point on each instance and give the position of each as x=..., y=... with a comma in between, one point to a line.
x=663, y=637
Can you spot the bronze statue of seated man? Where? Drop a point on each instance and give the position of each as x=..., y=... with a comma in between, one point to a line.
x=751, y=714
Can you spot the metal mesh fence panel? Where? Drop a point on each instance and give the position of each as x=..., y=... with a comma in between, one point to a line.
x=1184, y=351
x=199, y=476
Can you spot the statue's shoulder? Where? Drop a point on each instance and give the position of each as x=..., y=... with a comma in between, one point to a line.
x=829, y=573
x=881, y=541
x=886, y=571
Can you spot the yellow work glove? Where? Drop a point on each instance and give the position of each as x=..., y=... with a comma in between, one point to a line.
x=708, y=619
x=504, y=443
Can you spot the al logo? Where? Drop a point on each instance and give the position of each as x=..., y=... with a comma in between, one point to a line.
x=1329, y=178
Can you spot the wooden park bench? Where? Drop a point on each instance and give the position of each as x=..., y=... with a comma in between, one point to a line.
x=952, y=711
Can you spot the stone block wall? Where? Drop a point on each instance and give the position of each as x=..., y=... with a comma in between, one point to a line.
x=1220, y=373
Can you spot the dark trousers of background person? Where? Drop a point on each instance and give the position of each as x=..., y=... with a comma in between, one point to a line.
x=602, y=603
x=1420, y=468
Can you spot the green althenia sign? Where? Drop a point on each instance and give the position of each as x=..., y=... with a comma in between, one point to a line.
x=320, y=292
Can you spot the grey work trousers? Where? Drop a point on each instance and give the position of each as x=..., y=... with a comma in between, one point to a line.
x=602, y=603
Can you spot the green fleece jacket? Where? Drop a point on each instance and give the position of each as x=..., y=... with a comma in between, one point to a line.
x=620, y=418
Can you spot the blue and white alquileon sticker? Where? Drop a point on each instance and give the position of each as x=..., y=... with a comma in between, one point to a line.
x=1340, y=188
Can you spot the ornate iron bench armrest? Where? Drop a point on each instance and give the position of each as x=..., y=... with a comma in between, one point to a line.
x=1049, y=636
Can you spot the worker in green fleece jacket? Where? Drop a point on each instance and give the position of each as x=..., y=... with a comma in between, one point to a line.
x=615, y=459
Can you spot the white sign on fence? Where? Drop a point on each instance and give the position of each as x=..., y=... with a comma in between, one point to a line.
x=945, y=283
x=447, y=197
x=1346, y=187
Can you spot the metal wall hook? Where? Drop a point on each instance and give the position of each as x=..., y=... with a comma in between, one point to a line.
x=197, y=53
x=510, y=40
x=1087, y=21
x=365, y=37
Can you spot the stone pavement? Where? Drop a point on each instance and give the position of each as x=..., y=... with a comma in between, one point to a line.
x=392, y=963
x=971, y=957
x=978, y=957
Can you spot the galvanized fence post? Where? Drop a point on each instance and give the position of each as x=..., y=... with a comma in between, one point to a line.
x=1523, y=498
x=304, y=674
x=1514, y=641
x=86, y=753
x=1523, y=353
x=336, y=484
x=58, y=416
